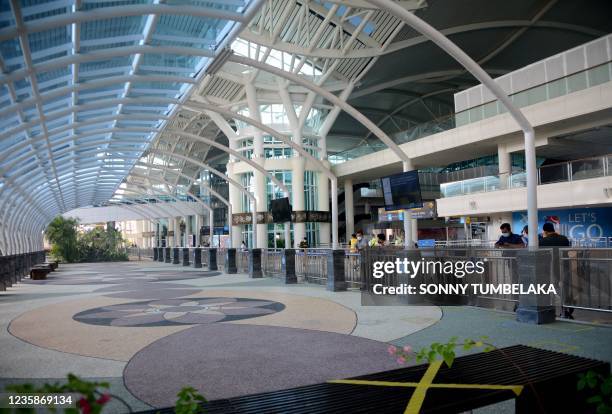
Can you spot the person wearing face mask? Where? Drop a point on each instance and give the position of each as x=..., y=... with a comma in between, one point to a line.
x=362, y=243
x=508, y=240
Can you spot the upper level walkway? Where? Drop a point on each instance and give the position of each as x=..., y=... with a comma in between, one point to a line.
x=150, y=328
x=554, y=117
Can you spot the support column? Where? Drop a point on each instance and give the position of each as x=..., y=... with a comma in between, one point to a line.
x=504, y=164
x=534, y=268
x=298, y=202
x=288, y=267
x=349, y=208
x=336, y=279
x=198, y=225
x=410, y=224
x=177, y=231
x=230, y=261
x=323, y=200
x=255, y=270
x=170, y=239
x=211, y=226
x=258, y=157
x=187, y=220
x=235, y=200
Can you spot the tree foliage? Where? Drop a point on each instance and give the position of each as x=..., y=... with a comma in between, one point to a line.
x=97, y=245
x=62, y=234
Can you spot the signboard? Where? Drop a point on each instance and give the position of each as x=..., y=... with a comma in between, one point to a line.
x=575, y=223
x=426, y=243
x=427, y=211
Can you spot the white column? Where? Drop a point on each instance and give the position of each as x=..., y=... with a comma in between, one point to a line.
x=504, y=165
x=198, y=225
x=410, y=224
x=298, y=204
x=323, y=200
x=177, y=231
x=258, y=157
x=349, y=208
x=187, y=220
x=170, y=239
x=211, y=226
x=235, y=199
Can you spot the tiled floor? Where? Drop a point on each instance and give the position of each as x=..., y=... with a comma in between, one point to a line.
x=151, y=328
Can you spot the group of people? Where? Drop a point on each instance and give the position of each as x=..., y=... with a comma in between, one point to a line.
x=548, y=238
x=359, y=242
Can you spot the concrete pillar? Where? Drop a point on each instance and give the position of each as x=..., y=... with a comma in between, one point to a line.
x=187, y=220
x=212, y=258
x=297, y=193
x=176, y=255
x=211, y=226
x=177, y=231
x=534, y=267
x=235, y=199
x=198, y=225
x=336, y=280
x=323, y=200
x=349, y=208
x=288, y=267
x=185, y=256
x=255, y=270
x=197, y=257
x=230, y=261
x=170, y=239
x=504, y=165
x=258, y=157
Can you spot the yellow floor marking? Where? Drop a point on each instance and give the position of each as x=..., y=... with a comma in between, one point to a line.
x=418, y=396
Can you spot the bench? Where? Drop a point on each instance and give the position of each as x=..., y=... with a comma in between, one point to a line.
x=547, y=380
x=40, y=271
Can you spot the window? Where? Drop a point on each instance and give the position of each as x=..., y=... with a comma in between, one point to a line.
x=311, y=199
x=248, y=183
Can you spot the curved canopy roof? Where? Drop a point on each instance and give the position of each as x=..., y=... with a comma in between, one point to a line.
x=86, y=85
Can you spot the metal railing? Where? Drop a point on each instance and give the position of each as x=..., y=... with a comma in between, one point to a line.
x=586, y=278
x=242, y=260
x=311, y=265
x=221, y=257
x=575, y=170
x=271, y=262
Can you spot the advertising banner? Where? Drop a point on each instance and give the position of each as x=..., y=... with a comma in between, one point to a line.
x=575, y=223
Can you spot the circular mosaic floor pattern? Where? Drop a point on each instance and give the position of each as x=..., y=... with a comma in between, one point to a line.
x=167, y=312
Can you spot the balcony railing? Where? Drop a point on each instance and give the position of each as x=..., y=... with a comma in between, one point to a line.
x=555, y=173
x=573, y=83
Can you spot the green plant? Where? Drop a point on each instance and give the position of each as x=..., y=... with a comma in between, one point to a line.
x=62, y=234
x=101, y=245
x=439, y=351
x=189, y=401
x=601, y=388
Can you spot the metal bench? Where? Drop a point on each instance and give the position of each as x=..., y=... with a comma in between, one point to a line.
x=547, y=382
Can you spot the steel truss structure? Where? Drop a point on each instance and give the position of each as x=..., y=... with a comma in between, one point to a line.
x=128, y=102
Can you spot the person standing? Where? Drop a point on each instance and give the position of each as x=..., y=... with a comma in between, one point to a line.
x=552, y=238
x=353, y=243
x=508, y=240
x=362, y=243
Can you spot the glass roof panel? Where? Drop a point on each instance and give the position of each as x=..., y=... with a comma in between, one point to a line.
x=94, y=71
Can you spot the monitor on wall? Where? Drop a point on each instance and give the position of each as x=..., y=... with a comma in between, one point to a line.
x=402, y=191
x=281, y=210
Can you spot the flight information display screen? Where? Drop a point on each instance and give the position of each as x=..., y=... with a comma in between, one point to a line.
x=402, y=191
